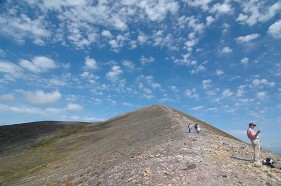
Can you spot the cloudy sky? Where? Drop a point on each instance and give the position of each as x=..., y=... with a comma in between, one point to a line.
x=83, y=60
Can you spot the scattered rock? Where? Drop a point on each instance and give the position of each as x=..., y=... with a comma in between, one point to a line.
x=146, y=172
x=191, y=166
x=257, y=164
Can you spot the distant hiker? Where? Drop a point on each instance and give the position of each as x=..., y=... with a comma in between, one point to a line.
x=189, y=127
x=253, y=136
x=197, y=128
x=272, y=163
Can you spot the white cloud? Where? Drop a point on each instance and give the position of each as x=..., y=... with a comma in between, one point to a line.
x=262, y=95
x=57, y=82
x=79, y=23
x=87, y=75
x=10, y=69
x=29, y=66
x=128, y=104
x=156, y=85
x=161, y=40
x=66, y=66
x=276, y=70
x=2, y=53
x=195, y=24
x=39, y=97
x=149, y=81
x=174, y=88
x=226, y=50
x=258, y=11
x=197, y=108
x=241, y=90
x=212, y=109
x=191, y=42
x=242, y=17
x=71, y=107
x=261, y=82
x=90, y=63
x=197, y=69
x=245, y=101
x=147, y=91
x=23, y=27
x=58, y=5
x=38, y=64
x=227, y=93
x=145, y=60
x=206, y=83
x=118, y=23
x=156, y=11
x=275, y=29
x=29, y=110
x=24, y=110
x=130, y=65
x=219, y=72
x=212, y=92
x=44, y=63
x=204, y=4
x=247, y=38
x=7, y=97
x=225, y=27
x=184, y=61
x=245, y=60
x=106, y=33
x=114, y=44
x=114, y=74
x=209, y=20
x=191, y=93
x=142, y=38
x=221, y=8
x=97, y=101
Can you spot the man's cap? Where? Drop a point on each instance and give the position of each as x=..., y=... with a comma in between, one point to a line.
x=252, y=124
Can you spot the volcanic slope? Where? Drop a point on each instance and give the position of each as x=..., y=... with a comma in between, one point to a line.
x=149, y=146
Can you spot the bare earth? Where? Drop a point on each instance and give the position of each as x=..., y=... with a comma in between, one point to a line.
x=150, y=146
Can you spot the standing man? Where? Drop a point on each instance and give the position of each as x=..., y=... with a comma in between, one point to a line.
x=189, y=127
x=197, y=128
x=253, y=136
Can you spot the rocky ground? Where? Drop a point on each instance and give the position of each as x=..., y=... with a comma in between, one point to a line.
x=152, y=147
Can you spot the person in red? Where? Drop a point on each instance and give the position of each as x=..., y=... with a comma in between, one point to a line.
x=254, y=137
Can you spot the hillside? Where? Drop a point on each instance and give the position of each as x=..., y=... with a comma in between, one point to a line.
x=149, y=146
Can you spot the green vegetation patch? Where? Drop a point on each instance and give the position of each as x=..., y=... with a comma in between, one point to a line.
x=30, y=161
x=60, y=133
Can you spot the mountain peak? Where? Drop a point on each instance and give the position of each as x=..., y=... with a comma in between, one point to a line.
x=149, y=146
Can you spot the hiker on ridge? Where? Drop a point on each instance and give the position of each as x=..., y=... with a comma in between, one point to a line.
x=197, y=128
x=189, y=128
x=253, y=136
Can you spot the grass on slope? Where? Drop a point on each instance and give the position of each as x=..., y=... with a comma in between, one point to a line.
x=18, y=164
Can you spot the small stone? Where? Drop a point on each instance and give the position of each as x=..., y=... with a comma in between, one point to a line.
x=275, y=170
x=146, y=172
x=257, y=164
x=191, y=166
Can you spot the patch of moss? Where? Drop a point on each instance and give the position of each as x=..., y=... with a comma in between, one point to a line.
x=60, y=133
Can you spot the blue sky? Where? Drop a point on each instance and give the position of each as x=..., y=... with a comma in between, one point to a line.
x=219, y=61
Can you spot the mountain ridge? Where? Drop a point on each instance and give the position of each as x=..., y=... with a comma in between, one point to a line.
x=149, y=146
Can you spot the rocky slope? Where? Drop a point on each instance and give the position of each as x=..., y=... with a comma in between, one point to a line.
x=150, y=146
